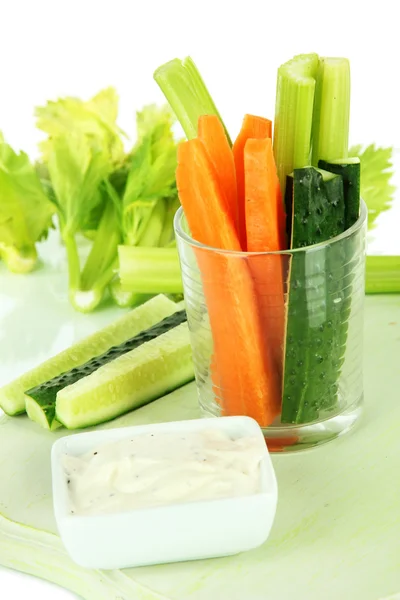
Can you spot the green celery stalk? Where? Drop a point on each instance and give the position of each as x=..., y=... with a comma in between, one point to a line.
x=294, y=114
x=330, y=130
x=383, y=275
x=167, y=235
x=104, y=250
x=77, y=172
x=149, y=238
x=187, y=94
x=87, y=286
x=149, y=270
x=151, y=235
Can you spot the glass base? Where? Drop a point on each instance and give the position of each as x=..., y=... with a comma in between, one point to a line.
x=293, y=438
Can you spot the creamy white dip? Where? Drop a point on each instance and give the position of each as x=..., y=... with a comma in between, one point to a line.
x=162, y=468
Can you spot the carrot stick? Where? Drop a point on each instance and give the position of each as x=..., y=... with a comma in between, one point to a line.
x=263, y=197
x=212, y=133
x=248, y=379
x=252, y=127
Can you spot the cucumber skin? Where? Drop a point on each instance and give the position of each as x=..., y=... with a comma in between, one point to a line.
x=313, y=347
x=128, y=382
x=350, y=173
x=45, y=394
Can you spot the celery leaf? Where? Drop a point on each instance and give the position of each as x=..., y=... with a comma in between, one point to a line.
x=25, y=210
x=376, y=173
x=151, y=177
x=95, y=118
x=76, y=172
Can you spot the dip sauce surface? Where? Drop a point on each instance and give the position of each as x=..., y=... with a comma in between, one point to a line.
x=162, y=468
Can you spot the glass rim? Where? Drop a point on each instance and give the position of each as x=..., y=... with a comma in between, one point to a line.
x=315, y=247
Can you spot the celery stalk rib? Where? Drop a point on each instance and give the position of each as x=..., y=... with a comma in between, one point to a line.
x=187, y=94
x=303, y=124
x=151, y=234
x=293, y=114
x=74, y=269
x=103, y=254
x=330, y=133
x=149, y=270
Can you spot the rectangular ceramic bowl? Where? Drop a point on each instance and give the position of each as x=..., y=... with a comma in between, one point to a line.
x=171, y=533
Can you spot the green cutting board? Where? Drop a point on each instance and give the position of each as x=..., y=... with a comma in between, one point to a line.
x=337, y=531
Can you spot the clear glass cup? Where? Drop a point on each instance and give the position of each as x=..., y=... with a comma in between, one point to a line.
x=298, y=313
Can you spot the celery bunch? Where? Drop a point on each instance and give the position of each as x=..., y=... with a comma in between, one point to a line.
x=110, y=196
x=80, y=153
x=148, y=202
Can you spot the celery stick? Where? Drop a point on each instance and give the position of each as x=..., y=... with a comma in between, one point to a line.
x=330, y=129
x=383, y=275
x=186, y=92
x=293, y=114
x=149, y=270
x=74, y=268
x=151, y=235
x=104, y=250
x=86, y=288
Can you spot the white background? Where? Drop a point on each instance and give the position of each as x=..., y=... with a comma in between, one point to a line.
x=50, y=48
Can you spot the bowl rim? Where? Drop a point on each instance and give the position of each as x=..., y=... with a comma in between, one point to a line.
x=91, y=439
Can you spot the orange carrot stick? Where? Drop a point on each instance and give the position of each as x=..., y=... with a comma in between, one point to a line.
x=262, y=197
x=252, y=127
x=212, y=133
x=262, y=193
x=248, y=379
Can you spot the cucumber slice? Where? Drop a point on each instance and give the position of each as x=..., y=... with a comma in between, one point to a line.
x=45, y=394
x=349, y=170
x=132, y=380
x=12, y=398
x=313, y=346
x=44, y=414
